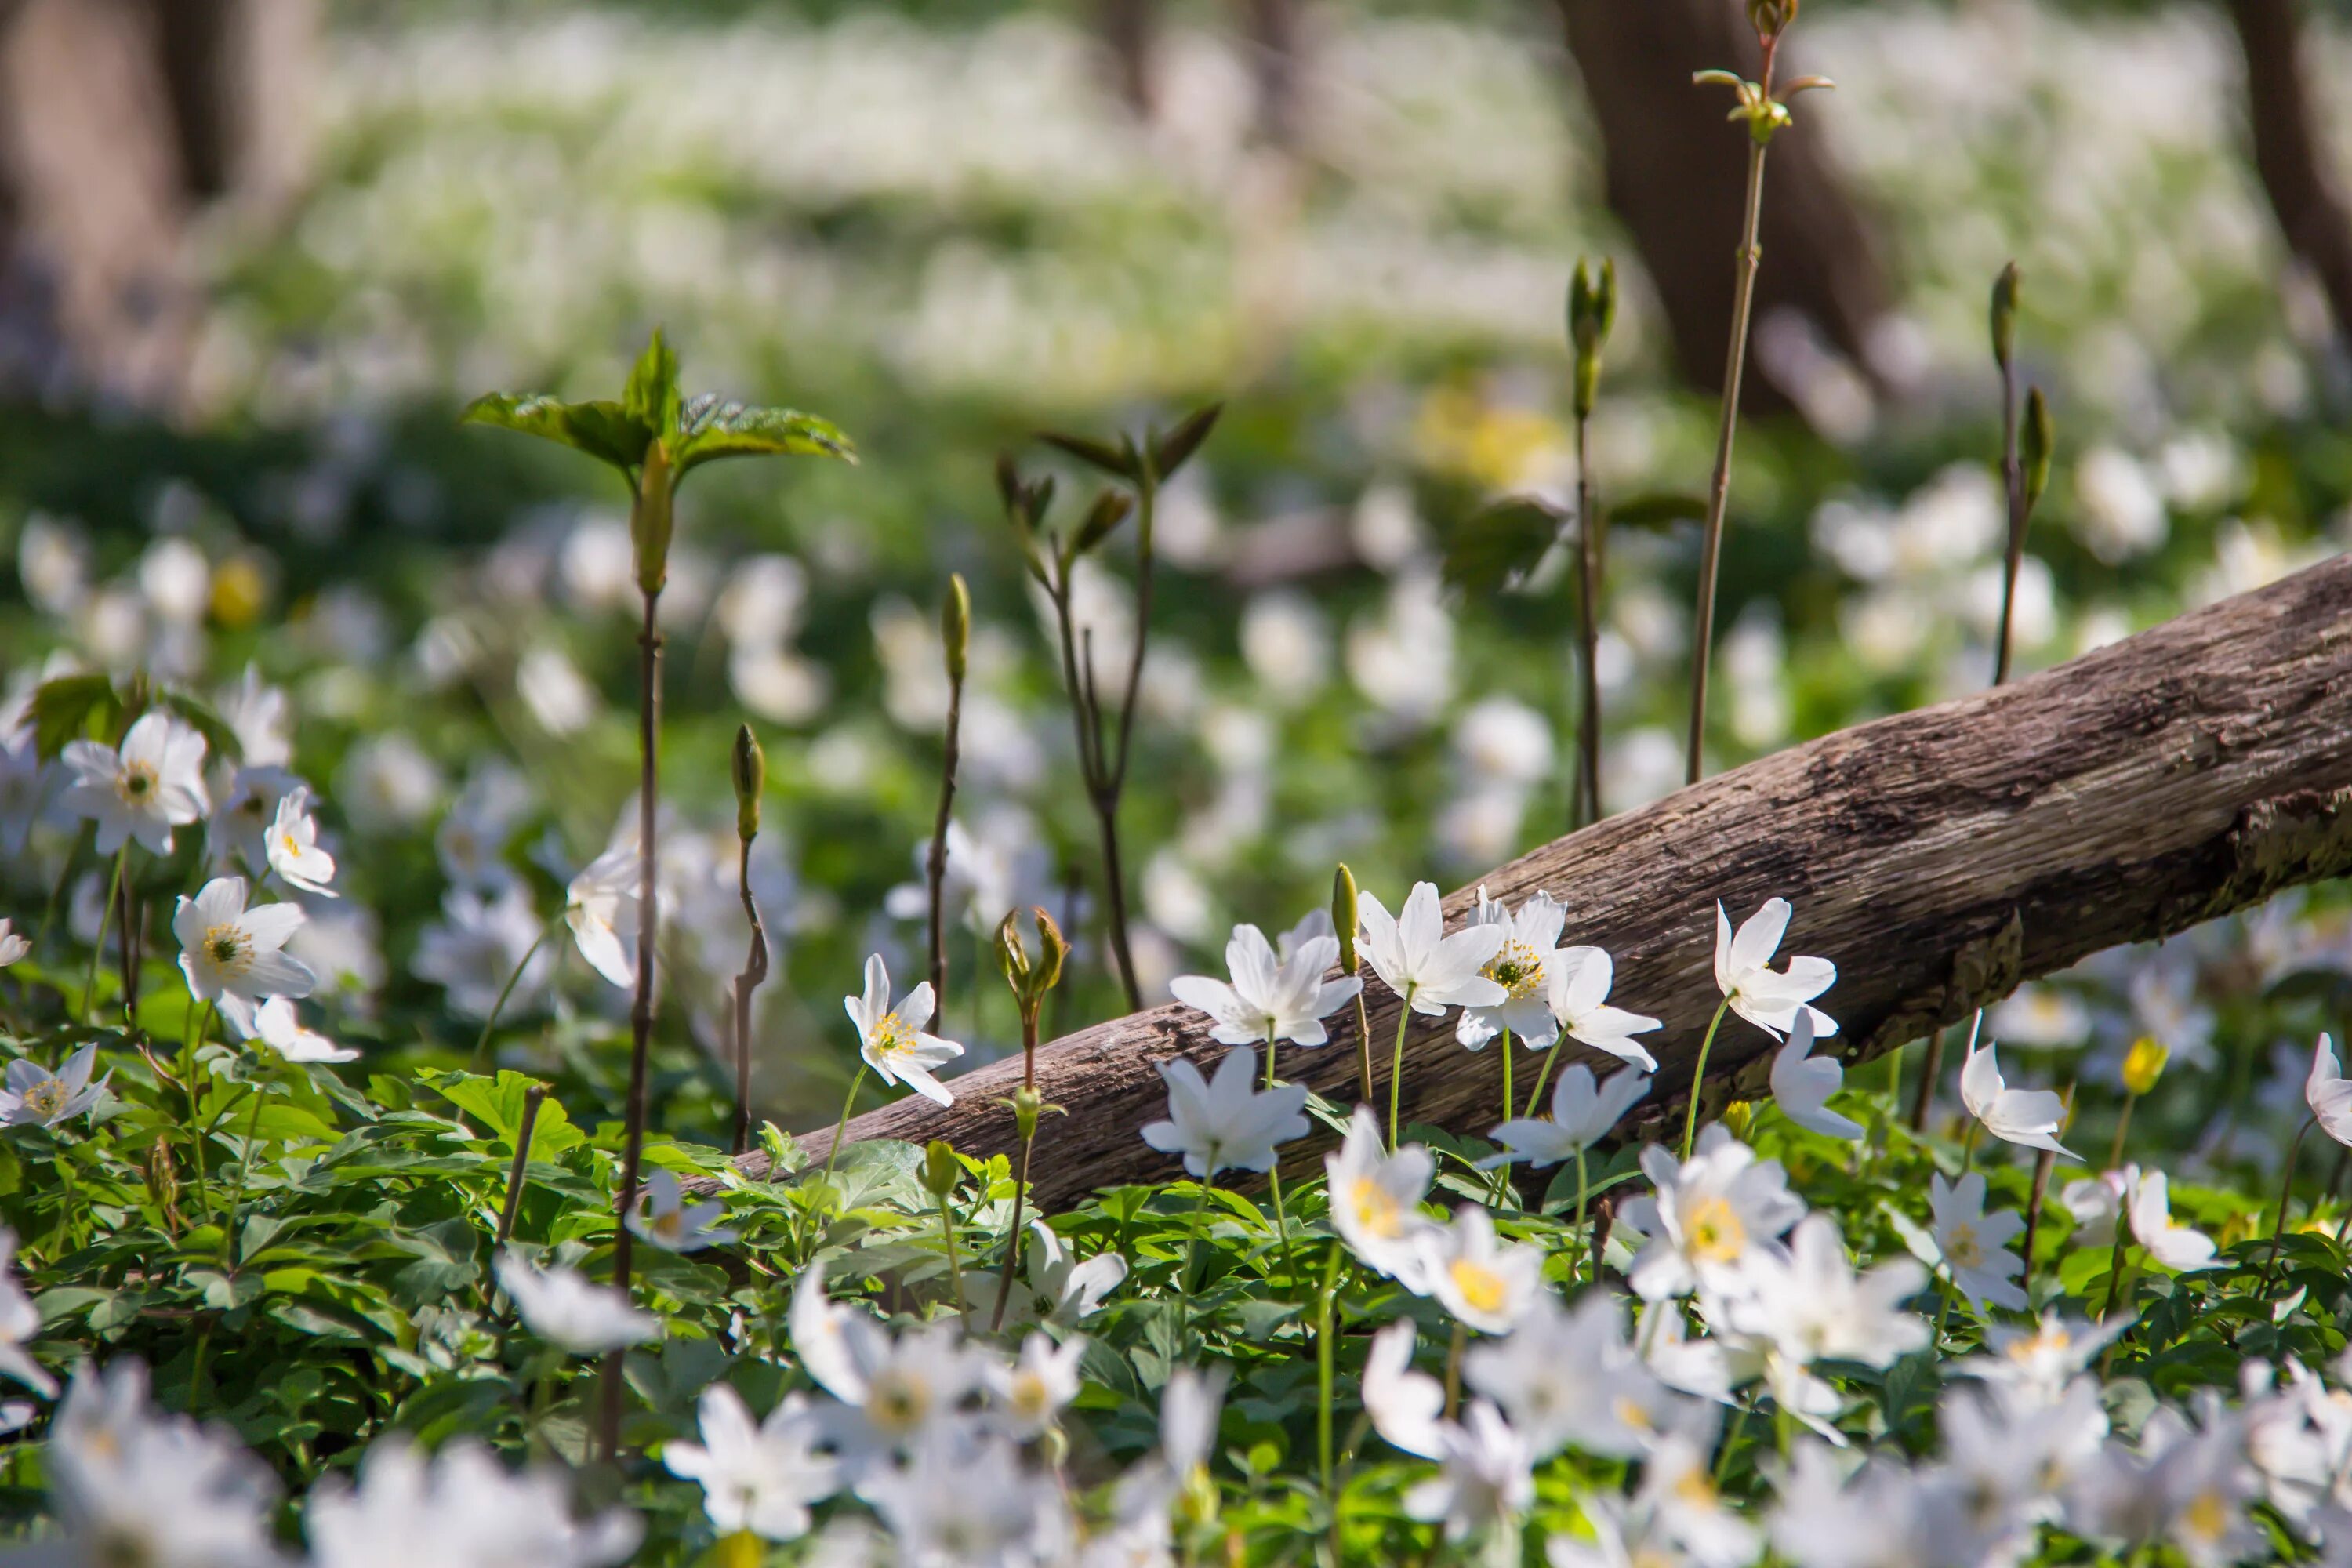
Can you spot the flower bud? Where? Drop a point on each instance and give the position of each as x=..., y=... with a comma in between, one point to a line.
x=1592, y=311
x=955, y=626
x=649, y=520
x=1052, y=948
x=2144, y=1064
x=2004, y=315
x=941, y=1169
x=2035, y=442
x=1740, y=1117
x=1343, y=916
x=750, y=770
x=1771, y=17
x=1011, y=955
x=1026, y=1104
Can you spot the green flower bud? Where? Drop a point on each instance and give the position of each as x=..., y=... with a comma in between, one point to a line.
x=649, y=520
x=1771, y=17
x=1343, y=916
x=1592, y=311
x=955, y=626
x=2004, y=315
x=750, y=780
x=2035, y=443
x=941, y=1169
x=1011, y=955
x=1051, y=950
x=1026, y=1103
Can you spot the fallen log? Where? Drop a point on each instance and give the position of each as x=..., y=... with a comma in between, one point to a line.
x=1939, y=858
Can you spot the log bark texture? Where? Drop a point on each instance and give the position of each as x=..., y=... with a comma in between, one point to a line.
x=1939, y=856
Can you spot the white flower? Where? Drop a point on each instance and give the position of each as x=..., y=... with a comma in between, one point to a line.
x=1414, y=956
x=1571, y=1377
x=761, y=1477
x=1223, y=1123
x=1974, y=1244
x=561, y=1307
x=2040, y=1361
x=1059, y=1289
x=1376, y=1197
x=1678, y=1492
x=1576, y=986
x=1771, y=999
x=1708, y=1217
x=1270, y=998
x=2178, y=1246
x=1812, y=1306
x=1487, y=1284
x=895, y=1392
x=275, y=1025
x=1485, y=1477
x=2030, y=1117
x=476, y=947
x=669, y=1223
x=458, y=1509
x=2326, y=1090
x=154, y=783
x=1802, y=1083
x=1531, y=946
x=228, y=950
x=19, y=1322
x=239, y=829
x=293, y=848
x=35, y=1097
x=133, y=1485
x=12, y=946
x=1031, y=1394
x=1622, y=1537
x=2096, y=1204
x=601, y=906
x=891, y=1039
x=1404, y=1405
x=952, y=1508
x=1581, y=1114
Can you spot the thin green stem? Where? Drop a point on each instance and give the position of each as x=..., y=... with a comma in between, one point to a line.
x=1543, y=1074
x=1396, y=1065
x=244, y=1172
x=482, y=1043
x=1192, y=1243
x=841, y=1129
x=1281, y=1223
x=1699, y=1077
x=1323, y=1370
x=198, y=1076
x=1583, y=1189
x=2122, y=1127
x=105, y=916
x=955, y=1265
x=1363, y=1044
x=1012, y=1242
x=2278, y=1223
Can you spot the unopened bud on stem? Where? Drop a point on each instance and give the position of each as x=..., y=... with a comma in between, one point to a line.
x=2035, y=442
x=750, y=770
x=2004, y=315
x=1592, y=311
x=941, y=1169
x=1343, y=917
x=955, y=626
x=649, y=520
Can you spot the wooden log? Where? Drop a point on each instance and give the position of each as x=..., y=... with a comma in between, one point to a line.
x=1939, y=856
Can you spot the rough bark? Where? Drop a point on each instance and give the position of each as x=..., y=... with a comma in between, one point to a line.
x=2306, y=195
x=1939, y=858
x=1675, y=175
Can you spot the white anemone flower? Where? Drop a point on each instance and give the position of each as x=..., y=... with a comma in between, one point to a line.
x=1802, y=1083
x=274, y=1024
x=2030, y=1117
x=229, y=950
x=1575, y=988
x=459, y=1507
x=1810, y=1304
x=892, y=1041
x=600, y=905
x=1415, y=958
x=1581, y=1113
x=1223, y=1123
x=1404, y=1405
x=13, y=945
x=2179, y=1248
x=897, y=1391
x=1769, y=998
x=762, y=1476
x=481, y=944
x=2326, y=1090
x=1270, y=998
x=2040, y=1362
x=293, y=848
x=669, y=1224
x=1975, y=1244
x=1530, y=947
x=20, y=1320
x=1485, y=1477
x=33, y=1096
x=1569, y=1376
x=1376, y=1198
x=241, y=820
x=1710, y=1217
x=1679, y=1494
x=1060, y=1289
x=1485, y=1283
x=131, y=1483
x=154, y=784
x=1030, y=1394
x=560, y=1306
x=958, y=1505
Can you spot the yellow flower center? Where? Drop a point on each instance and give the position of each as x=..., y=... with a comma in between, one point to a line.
x=2207, y=1517
x=1517, y=969
x=1697, y=1489
x=1633, y=1417
x=1375, y=1210
x=1962, y=1248
x=671, y=1226
x=46, y=1098
x=138, y=782
x=897, y=1403
x=2053, y=1340
x=891, y=1037
x=1030, y=1401
x=226, y=945
x=1482, y=1289
x=1715, y=1232
x=252, y=805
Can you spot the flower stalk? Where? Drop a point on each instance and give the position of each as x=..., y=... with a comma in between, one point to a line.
x=1591, y=311
x=1029, y=981
x=1351, y=963
x=955, y=634
x=750, y=777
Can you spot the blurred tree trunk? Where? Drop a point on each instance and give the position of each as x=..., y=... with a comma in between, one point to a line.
x=2304, y=192
x=1675, y=174
x=1128, y=29
x=118, y=119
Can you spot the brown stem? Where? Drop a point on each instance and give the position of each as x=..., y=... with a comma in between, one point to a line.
x=2013, y=479
x=531, y=1099
x=938, y=858
x=1587, y=604
x=755, y=970
x=641, y=1011
x=1931, y=1070
x=1743, y=299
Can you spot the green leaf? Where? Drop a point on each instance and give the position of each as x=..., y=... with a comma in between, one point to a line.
x=498, y=1104
x=603, y=430
x=651, y=396
x=63, y=709
x=1111, y=510
x=1660, y=510
x=1170, y=448
x=1121, y=460
x=710, y=429
x=200, y=716
x=1486, y=550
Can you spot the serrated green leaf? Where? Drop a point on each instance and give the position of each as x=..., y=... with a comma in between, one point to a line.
x=1490, y=548
x=63, y=709
x=711, y=428
x=603, y=430
x=651, y=396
